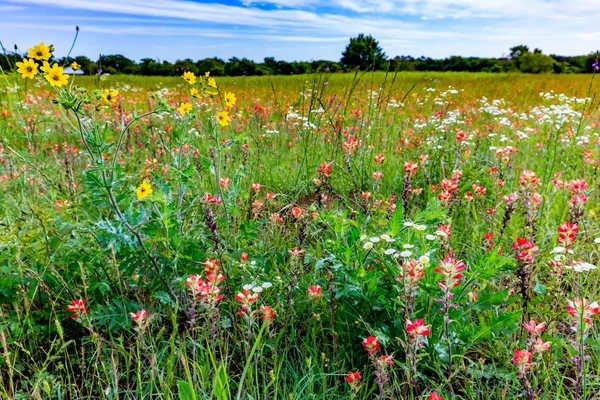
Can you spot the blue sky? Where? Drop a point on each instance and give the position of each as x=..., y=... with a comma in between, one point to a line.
x=300, y=29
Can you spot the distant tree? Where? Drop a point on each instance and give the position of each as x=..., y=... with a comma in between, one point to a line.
x=518, y=51
x=402, y=63
x=365, y=53
x=214, y=65
x=116, y=63
x=536, y=63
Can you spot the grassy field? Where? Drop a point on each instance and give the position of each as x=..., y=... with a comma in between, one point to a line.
x=332, y=236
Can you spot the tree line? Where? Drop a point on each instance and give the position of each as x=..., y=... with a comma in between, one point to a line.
x=362, y=52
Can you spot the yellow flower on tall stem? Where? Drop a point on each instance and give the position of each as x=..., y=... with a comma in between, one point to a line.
x=45, y=67
x=110, y=96
x=39, y=52
x=56, y=77
x=189, y=77
x=184, y=108
x=27, y=68
x=144, y=190
x=75, y=66
x=194, y=92
x=223, y=118
x=230, y=99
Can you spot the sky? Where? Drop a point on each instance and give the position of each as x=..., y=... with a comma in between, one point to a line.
x=299, y=29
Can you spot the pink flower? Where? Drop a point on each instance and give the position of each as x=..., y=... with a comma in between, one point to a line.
x=417, y=328
x=377, y=175
x=582, y=309
x=268, y=314
x=525, y=250
x=541, y=346
x=385, y=360
x=534, y=328
x=379, y=158
x=314, y=292
x=522, y=359
x=371, y=344
x=450, y=268
x=353, y=378
x=77, y=307
x=566, y=234
x=224, y=182
x=324, y=170
x=410, y=167
x=139, y=316
x=435, y=396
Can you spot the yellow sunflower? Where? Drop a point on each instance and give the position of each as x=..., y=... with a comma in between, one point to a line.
x=39, y=52
x=189, y=77
x=207, y=74
x=75, y=66
x=45, y=67
x=212, y=82
x=144, y=190
x=110, y=96
x=230, y=99
x=194, y=92
x=184, y=108
x=223, y=118
x=56, y=77
x=27, y=68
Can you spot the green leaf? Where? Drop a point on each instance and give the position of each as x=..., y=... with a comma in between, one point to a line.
x=185, y=391
x=221, y=384
x=504, y=323
x=397, y=220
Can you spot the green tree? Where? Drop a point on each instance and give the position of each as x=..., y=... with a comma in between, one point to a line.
x=536, y=63
x=365, y=53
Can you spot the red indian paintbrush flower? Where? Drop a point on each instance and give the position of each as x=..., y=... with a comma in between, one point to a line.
x=371, y=344
x=353, y=378
x=77, y=307
x=450, y=268
x=417, y=328
x=566, y=234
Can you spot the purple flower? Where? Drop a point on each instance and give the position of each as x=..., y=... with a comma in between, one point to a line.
x=99, y=71
x=595, y=65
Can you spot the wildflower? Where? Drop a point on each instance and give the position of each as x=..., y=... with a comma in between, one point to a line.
x=224, y=182
x=566, y=234
x=417, y=328
x=77, y=307
x=540, y=346
x=138, y=317
x=75, y=66
x=385, y=360
x=144, y=190
x=371, y=344
x=525, y=250
x=324, y=170
x=296, y=252
x=582, y=309
x=45, y=67
x=268, y=314
x=435, y=396
x=184, y=108
x=595, y=65
x=368, y=245
x=223, y=118
x=230, y=99
x=581, y=266
x=314, y=292
x=297, y=212
x=212, y=82
x=522, y=359
x=377, y=175
x=27, y=68
x=110, y=96
x=353, y=379
x=534, y=328
x=39, y=52
x=450, y=268
x=212, y=266
x=379, y=158
x=56, y=77
x=194, y=92
x=189, y=77
x=410, y=167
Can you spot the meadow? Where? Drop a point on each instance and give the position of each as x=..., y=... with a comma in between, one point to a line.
x=328, y=236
